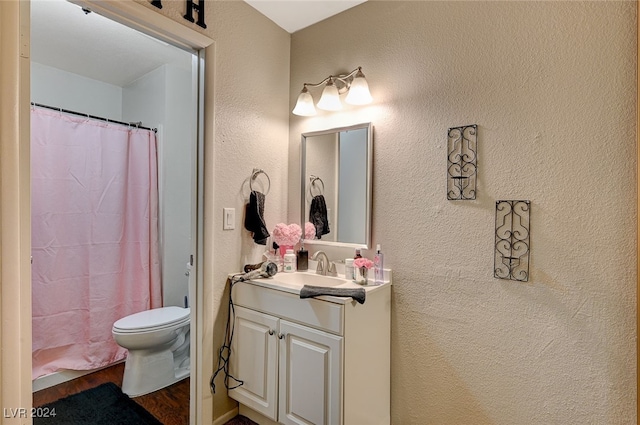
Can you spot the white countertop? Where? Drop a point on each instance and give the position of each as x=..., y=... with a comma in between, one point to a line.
x=293, y=282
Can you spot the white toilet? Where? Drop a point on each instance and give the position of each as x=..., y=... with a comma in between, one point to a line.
x=158, y=344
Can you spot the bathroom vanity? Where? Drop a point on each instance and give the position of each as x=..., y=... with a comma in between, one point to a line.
x=322, y=360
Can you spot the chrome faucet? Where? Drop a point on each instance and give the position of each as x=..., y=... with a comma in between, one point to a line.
x=325, y=267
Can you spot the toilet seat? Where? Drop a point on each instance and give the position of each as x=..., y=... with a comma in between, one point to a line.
x=153, y=320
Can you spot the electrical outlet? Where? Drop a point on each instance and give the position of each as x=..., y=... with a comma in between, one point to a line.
x=229, y=219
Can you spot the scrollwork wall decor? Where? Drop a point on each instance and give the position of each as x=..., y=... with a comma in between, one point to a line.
x=462, y=167
x=512, y=248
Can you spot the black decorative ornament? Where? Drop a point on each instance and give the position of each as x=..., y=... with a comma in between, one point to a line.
x=512, y=246
x=462, y=167
x=191, y=6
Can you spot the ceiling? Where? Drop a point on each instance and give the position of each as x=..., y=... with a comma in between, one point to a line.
x=293, y=15
x=63, y=36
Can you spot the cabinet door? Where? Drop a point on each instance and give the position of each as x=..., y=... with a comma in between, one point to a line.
x=254, y=360
x=310, y=376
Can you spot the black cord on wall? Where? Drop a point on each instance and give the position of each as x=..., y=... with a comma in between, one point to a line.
x=225, y=351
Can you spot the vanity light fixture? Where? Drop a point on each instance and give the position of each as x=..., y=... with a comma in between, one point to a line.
x=354, y=83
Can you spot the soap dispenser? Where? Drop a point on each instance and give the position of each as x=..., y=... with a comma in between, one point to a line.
x=303, y=258
x=378, y=266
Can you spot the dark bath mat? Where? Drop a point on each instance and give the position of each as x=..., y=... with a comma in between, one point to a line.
x=241, y=420
x=102, y=405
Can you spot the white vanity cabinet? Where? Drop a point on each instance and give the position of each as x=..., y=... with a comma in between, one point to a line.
x=255, y=360
x=321, y=361
x=308, y=362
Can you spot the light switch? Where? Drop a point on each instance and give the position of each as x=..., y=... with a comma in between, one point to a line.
x=229, y=219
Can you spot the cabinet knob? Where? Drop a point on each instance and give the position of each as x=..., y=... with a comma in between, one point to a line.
x=271, y=331
x=280, y=336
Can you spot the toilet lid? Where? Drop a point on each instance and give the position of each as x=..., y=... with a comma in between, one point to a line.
x=154, y=318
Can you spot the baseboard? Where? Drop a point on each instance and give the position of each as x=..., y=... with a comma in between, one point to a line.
x=62, y=376
x=226, y=417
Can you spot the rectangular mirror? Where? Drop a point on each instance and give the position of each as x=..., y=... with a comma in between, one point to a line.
x=335, y=170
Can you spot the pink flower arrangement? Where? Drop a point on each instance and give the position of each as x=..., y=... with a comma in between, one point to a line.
x=362, y=263
x=309, y=230
x=287, y=235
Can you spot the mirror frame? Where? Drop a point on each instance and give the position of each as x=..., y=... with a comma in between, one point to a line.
x=369, y=201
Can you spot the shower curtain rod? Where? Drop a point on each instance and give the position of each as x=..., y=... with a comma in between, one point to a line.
x=67, y=111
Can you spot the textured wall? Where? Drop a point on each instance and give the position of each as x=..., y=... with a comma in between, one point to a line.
x=552, y=87
x=251, y=130
x=246, y=127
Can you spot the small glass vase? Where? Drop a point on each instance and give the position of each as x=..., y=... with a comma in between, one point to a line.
x=361, y=275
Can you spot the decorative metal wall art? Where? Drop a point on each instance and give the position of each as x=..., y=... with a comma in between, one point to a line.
x=462, y=164
x=191, y=6
x=511, y=260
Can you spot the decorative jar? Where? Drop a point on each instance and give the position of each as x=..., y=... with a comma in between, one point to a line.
x=361, y=275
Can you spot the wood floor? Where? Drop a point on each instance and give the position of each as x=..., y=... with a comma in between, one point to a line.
x=169, y=405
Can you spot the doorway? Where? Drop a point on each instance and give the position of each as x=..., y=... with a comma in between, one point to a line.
x=95, y=66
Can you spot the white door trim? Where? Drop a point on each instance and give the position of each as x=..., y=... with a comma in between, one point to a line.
x=137, y=16
x=15, y=216
x=15, y=212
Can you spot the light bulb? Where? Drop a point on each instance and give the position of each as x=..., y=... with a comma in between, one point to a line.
x=304, y=105
x=359, y=92
x=330, y=100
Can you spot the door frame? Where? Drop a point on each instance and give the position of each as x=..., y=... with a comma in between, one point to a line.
x=15, y=208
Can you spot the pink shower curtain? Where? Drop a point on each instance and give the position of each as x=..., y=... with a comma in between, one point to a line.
x=94, y=237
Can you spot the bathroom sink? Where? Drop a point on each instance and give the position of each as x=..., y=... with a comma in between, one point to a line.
x=301, y=278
